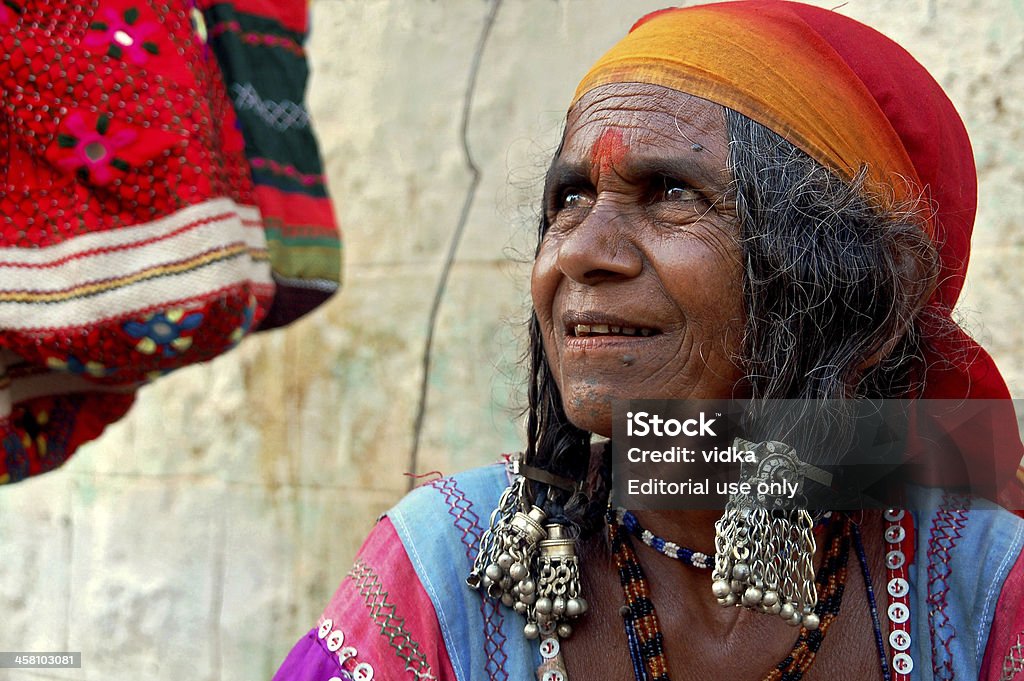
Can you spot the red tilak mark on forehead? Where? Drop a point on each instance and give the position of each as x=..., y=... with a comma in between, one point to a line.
x=608, y=150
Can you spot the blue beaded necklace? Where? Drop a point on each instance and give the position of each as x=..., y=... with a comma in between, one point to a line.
x=684, y=554
x=862, y=556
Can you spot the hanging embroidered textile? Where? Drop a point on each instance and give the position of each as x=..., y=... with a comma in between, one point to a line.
x=131, y=237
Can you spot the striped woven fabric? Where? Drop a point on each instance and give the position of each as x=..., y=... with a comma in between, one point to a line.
x=259, y=46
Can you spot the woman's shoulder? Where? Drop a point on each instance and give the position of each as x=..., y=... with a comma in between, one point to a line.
x=458, y=506
x=965, y=549
x=952, y=526
x=404, y=609
x=440, y=526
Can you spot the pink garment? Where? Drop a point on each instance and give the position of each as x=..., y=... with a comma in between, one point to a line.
x=1004, y=654
x=383, y=613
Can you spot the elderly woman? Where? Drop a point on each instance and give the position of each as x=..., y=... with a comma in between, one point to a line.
x=758, y=199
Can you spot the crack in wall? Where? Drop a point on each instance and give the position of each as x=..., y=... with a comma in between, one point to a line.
x=456, y=239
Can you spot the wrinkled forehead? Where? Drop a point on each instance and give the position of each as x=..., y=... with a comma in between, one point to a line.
x=643, y=106
x=642, y=119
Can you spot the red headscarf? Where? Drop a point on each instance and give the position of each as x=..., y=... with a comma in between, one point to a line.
x=849, y=96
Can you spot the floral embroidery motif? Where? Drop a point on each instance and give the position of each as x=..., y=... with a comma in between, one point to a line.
x=76, y=366
x=248, y=315
x=93, y=149
x=163, y=331
x=123, y=34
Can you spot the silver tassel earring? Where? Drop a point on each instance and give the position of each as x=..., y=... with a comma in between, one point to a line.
x=530, y=567
x=764, y=547
x=502, y=568
x=558, y=593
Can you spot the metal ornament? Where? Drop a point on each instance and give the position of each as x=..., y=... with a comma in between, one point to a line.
x=495, y=535
x=558, y=586
x=502, y=568
x=530, y=567
x=764, y=542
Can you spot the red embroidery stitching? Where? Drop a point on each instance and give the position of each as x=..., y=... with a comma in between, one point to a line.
x=947, y=523
x=460, y=508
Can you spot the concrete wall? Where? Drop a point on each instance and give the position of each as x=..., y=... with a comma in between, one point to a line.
x=202, y=535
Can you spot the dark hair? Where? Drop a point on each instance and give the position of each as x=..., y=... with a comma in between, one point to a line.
x=834, y=291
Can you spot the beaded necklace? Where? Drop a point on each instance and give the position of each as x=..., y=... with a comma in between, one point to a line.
x=865, y=571
x=646, y=640
x=697, y=559
x=684, y=554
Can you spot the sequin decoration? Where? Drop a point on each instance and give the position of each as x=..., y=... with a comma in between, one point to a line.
x=331, y=639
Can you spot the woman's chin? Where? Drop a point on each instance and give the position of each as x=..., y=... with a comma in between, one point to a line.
x=591, y=417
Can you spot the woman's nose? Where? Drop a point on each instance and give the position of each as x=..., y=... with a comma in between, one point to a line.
x=601, y=248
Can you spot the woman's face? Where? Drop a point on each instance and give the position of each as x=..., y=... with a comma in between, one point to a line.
x=638, y=281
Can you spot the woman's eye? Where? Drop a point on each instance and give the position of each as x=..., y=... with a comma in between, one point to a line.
x=574, y=199
x=678, y=191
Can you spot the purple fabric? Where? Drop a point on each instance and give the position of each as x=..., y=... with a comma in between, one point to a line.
x=310, y=660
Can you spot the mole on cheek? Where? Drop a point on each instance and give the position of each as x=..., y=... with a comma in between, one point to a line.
x=608, y=150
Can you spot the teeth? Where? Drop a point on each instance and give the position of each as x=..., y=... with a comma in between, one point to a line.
x=606, y=329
